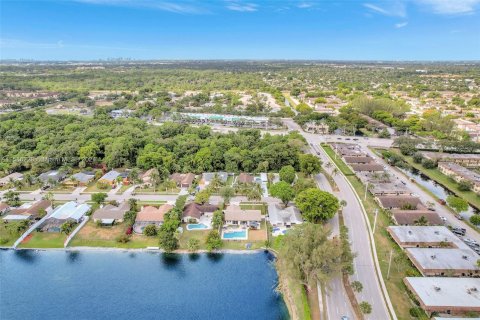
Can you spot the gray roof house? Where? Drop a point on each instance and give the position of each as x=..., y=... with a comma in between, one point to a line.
x=285, y=217
x=207, y=177
x=53, y=175
x=110, y=213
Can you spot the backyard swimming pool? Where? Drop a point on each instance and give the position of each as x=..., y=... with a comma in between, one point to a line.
x=196, y=226
x=235, y=235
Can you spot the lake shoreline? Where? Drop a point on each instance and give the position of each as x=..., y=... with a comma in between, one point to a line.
x=113, y=249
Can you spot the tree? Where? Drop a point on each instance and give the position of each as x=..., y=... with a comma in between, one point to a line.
x=429, y=164
x=317, y=206
x=227, y=193
x=193, y=244
x=99, y=197
x=287, y=174
x=283, y=191
x=465, y=186
x=168, y=241
x=255, y=192
x=150, y=230
x=67, y=227
x=457, y=204
x=365, y=307
x=417, y=157
x=12, y=198
x=475, y=219
x=202, y=196
x=217, y=219
x=310, y=164
x=309, y=255
x=49, y=197
x=357, y=286
x=213, y=242
x=155, y=179
x=422, y=221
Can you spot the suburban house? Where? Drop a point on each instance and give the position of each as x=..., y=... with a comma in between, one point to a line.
x=150, y=215
x=207, y=177
x=425, y=237
x=194, y=211
x=404, y=202
x=318, y=127
x=245, y=178
x=280, y=216
x=51, y=177
x=11, y=177
x=147, y=177
x=109, y=214
x=33, y=209
x=234, y=215
x=369, y=167
x=412, y=217
x=70, y=211
x=183, y=180
x=110, y=177
x=453, y=296
x=348, y=150
x=445, y=261
x=80, y=179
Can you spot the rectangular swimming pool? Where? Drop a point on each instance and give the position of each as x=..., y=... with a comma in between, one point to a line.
x=196, y=226
x=235, y=235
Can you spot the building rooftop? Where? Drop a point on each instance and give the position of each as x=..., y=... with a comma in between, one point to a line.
x=388, y=187
x=208, y=176
x=405, y=235
x=443, y=291
x=83, y=177
x=110, y=175
x=235, y=213
x=399, y=202
x=12, y=176
x=370, y=167
x=442, y=155
x=112, y=212
x=277, y=214
x=153, y=214
x=444, y=258
x=409, y=217
x=70, y=210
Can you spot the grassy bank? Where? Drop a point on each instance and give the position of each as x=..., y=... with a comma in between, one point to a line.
x=338, y=161
x=385, y=246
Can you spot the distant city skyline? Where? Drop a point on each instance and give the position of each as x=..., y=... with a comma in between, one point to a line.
x=410, y=30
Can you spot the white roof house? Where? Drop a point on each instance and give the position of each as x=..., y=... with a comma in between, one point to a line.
x=280, y=216
x=446, y=295
x=70, y=210
x=424, y=236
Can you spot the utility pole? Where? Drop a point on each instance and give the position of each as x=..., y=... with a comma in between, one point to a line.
x=375, y=220
x=389, y=264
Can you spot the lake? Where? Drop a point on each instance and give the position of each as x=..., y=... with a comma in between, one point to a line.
x=137, y=285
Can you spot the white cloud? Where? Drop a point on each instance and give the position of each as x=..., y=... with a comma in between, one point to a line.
x=242, y=7
x=401, y=25
x=184, y=7
x=305, y=5
x=393, y=9
x=451, y=6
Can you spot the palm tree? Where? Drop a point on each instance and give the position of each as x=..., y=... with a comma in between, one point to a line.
x=74, y=181
x=155, y=179
x=49, y=197
x=334, y=171
x=29, y=179
x=422, y=221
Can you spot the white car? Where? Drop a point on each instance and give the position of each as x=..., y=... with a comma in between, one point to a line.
x=443, y=219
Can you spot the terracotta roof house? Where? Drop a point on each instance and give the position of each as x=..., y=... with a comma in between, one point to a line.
x=244, y=178
x=410, y=217
x=399, y=202
x=183, y=180
x=110, y=213
x=194, y=211
x=11, y=177
x=234, y=215
x=147, y=176
x=32, y=209
x=150, y=215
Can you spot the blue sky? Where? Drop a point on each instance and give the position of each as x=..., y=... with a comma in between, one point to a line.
x=188, y=29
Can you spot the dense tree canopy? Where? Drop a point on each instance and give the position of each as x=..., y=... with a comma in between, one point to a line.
x=317, y=205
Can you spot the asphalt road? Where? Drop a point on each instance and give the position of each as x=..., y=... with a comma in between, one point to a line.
x=358, y=233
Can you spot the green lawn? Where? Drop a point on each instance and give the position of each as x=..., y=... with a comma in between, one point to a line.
x=230, y=180
x=123, y=188
x=435, y=174
x=92, y=188
x=62, y=189
x=157, y=191
x=7, y=238
x=26, y=188
x=200, y=235
x=259, y=206
x=45, y=240
x=338, y=161
x=384, y=245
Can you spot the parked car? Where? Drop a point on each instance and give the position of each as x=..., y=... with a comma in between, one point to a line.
x=442, y=202
x=443, y=218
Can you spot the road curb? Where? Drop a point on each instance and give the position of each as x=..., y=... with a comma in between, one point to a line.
x=378, y=272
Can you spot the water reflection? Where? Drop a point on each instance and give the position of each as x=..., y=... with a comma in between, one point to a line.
x=193, y=256
x=171, y=260
x=215, y=257
x=29, y=256
x=73, y=256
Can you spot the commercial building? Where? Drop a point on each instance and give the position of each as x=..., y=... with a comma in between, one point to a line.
x=455, y=296
x=449, y=262
x=413, y=217
x=425, y=237
x=404, y=202
x=464, y=159
x=460, y=174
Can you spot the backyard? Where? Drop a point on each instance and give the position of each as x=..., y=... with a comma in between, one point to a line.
x=44, y=240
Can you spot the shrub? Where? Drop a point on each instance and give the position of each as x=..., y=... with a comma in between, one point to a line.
x=475, y=219
x=416, y=312
x=365, y=307
x=150, y=230
x=123, y=238
x=429, y=164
